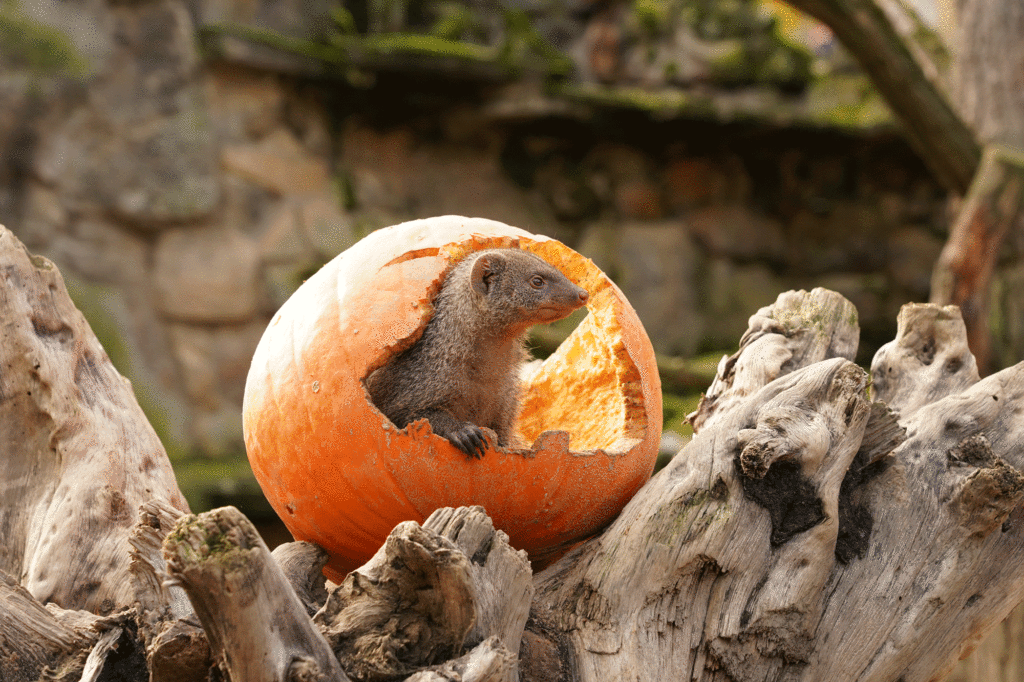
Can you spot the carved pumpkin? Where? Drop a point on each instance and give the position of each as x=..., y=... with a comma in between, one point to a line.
x=341, y=475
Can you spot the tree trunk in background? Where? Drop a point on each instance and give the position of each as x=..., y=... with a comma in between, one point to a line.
x=988, y=91
x=988, y=69
x=992, y=209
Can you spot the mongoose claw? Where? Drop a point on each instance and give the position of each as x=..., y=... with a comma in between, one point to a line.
x=471, y=440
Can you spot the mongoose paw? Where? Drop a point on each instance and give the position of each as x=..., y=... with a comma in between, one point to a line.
x=471, y=440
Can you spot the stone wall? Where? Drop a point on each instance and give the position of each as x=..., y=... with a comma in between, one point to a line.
x=184, y=198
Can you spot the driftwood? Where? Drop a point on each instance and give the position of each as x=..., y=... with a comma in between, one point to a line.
x=79, y=456
x=254, y=620
x=821, y=525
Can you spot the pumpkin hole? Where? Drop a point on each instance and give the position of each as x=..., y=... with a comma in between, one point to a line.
x=588, y=387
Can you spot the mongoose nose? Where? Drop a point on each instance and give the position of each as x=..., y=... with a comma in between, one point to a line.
x=584, y=297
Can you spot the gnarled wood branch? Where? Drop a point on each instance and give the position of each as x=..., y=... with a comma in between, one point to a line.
x=255, y=622
x=737, y=571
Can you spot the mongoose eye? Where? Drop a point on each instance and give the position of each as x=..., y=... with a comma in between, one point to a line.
x=537, y=281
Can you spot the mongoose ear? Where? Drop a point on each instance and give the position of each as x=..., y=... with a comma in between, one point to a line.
x=485, y=268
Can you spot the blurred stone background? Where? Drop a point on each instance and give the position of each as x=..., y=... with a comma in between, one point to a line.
x=188, y=164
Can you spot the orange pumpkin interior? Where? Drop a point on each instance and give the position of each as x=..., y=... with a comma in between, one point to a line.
x=589, y=388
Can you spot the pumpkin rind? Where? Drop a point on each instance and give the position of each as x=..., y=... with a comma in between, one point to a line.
x=341, y=475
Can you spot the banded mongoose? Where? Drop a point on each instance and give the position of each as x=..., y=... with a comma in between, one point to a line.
x=463, y=373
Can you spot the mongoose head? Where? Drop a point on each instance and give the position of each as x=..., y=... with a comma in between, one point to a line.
x=521, y=290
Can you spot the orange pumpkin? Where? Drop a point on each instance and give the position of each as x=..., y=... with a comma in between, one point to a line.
x=340, y=474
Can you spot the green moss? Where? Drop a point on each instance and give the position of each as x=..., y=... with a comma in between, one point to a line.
x=41, y=262
x=217, y=548
x=663, y=102
x=847, y=101
x=525, y=48
x=343, y=20
x=522, y=49
x=411, y=44
x=209, y=34
x=345, y=190
x=784, y=67
x=44, y=50
x=653, y=16
x=730, y=62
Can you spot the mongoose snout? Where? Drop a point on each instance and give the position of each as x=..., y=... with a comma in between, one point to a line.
x=568, y=299
x=463, y=373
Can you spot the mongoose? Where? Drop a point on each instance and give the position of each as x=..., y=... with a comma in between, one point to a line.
x=463, y=373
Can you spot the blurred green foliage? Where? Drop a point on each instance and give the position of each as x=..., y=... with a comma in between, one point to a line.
x=29, y=44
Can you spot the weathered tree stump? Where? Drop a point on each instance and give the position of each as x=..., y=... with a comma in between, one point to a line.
x=253, y=618
x=823, y=524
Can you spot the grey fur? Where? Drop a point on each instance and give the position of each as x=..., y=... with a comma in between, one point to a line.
x=463, y=373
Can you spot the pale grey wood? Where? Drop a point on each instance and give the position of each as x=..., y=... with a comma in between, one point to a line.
x=177, y=649
x=947, y=543
x=77, y=456
x=928, y=360
x=798, y=329
x=410, y=606
x=33, y=638
x=488, y=661
x=805, y=533
x=51, y=643
x=430, y=593
x=158, y=600
x=106, y=643
x=686, y=583
x=303, y=564
x=702, y=577
x=256, y=624
x=501, y=575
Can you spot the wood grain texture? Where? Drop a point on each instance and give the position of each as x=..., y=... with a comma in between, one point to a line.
x=32, y=638
x=303, y=564
x=431, y=593
x=798, y=329
x=501, y=576
x=705, y=576
x=77, y=456
x=255, y=622
x=177, y=649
